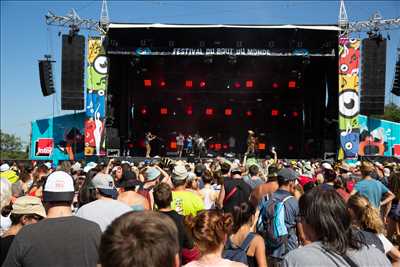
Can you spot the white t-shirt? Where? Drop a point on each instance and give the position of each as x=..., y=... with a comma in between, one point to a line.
x=387, y=245
x=5, y=223
x=179, y=140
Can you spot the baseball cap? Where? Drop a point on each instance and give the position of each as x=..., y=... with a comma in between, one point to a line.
x=59, y=186
x=105, y=184
x=28, y=205
x=287, y=175
x=48, y=165
x=76, y=167
x=4, y=167
x=89, y=166
x=327, y=166
x=179, y=173
x=236, y=171
x=151, y=174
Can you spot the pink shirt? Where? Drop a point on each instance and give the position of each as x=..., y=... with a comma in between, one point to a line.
x=220, y=262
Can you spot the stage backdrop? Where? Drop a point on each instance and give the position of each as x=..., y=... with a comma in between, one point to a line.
x=58, y=138
x=378, y=137
x=96, y=85
x=349, y=104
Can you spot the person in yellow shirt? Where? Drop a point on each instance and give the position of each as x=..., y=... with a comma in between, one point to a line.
x=184, y=202
x=7, y=173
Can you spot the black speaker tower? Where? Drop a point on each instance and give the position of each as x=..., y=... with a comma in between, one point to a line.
x=373, y=76
x=396, y=80
x=72, y=70
x=46, y=76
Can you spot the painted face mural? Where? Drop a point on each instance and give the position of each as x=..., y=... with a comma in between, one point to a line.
x=95, y=98
x=349, y=102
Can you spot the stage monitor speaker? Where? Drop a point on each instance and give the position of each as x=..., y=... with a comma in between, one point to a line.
x=373, y=76
x=46, y=77
x=396, y=80
x=72, y=70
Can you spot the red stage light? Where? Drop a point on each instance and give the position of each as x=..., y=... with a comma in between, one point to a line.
x=249, y=113
x=188, y=83
x=189, y=110
x=290, y=147
x=275, y=85
x=274, y=112
x=237, y=84
x=225, y=146
x=147, y=83
x=218, y=146
x=143, y=111
x=209, y=111
x=261, y=146
x=211, y=146
x=249, y=84
x=295, y=114
x=292, y=84
x=163, y=111
x=172, y=145
x=163, y=83
x=228, y=112
x=202, y=84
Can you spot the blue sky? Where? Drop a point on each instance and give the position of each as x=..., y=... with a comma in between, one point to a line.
x=25, y=38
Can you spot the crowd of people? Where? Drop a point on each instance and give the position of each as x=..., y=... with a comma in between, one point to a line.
x=212, y=212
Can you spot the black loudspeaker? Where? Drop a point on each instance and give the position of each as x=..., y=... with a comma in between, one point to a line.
x=396, y=80
x=72, y=70
x=373, y=72
x=46, y=77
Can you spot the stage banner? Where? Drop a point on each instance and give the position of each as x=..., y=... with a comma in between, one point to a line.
x=349, y=103
x=58, y=138
x=96, y=85
x=378, y=137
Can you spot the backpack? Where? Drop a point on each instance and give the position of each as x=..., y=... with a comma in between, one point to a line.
x=239, y=253
x=271, y=224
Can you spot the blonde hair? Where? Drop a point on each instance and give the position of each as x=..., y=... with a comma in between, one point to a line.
x=366, y=215
x=366, y=168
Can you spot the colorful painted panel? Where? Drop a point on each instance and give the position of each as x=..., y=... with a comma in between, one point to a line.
x=95, y=98
x=58, y=138
x=378, y=137
x=349, y=103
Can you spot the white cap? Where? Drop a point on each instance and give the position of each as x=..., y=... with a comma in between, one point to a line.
x=89, y=166
x=76, y=166
x=327, y=166
x=4, y=167
x=48, y=165
x=59, y=186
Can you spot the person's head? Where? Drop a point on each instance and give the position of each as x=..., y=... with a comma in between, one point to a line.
x=394, y=184
x=243, y=214
x=253, y=170
x=27, y=210
x=143, y=239
x=367, y=168
x=364, y=215
x=58, y=189
x=179, y=175
x=207, y=177
x=117, y=173
x=225, y=168
x=329, y=176
x=152, y=175
x=162, y=195
x=199, y=170
x=5, y=193
x=209, y=230
x=104, y=185
x=325, y=218
x=287, y=179
x=272, y=173
x=236, y=173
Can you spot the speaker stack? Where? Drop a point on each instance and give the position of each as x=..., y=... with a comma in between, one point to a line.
x=72, y=72
x=373, y=76
x=46, y=76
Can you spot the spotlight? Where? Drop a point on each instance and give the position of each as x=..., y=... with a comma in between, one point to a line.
x=261, y=146
x=249, y=84
x=163, y=111
x=274, y=112
x=188, y=83
x=209, y=111
x=295, y=114
x=189, y=110
x=249, y=113
x=292, y=84
x=228, y=112
x=143, y=110
x=202, y=84
x=217, y=147
x=237, y=84
x=162, y=83
x=147, y=83
x=275, y=85
x=172, y=145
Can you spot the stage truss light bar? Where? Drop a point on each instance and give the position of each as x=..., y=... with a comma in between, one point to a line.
x=209, y=111
x=163, y=111
x=228, y=112
x=188, y=83
x=249, y=84
x=274, y=113
x=292, y=84
x=202, y=84
x=147, y=83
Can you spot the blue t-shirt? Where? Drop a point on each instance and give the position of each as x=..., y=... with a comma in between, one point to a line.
x=373, y=190
x=291, y=219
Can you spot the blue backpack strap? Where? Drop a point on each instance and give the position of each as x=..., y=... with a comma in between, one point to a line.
x=246, y=243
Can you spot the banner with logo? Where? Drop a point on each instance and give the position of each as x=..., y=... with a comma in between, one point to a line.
x=58, y=138
x=349, y=103
x=96, y=85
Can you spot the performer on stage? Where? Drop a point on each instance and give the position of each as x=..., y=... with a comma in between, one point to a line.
x=251, y=143
x=180, y=140
x=189, y=145
x=147, y=139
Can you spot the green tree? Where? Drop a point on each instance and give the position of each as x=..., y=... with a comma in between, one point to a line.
x=392, y=113
x=11, y=147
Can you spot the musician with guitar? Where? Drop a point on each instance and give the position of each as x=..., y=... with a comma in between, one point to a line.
x=147, y=139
